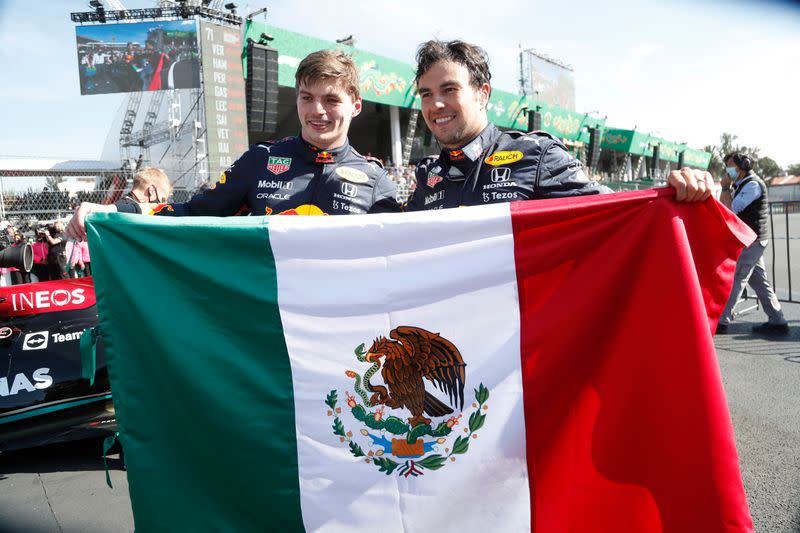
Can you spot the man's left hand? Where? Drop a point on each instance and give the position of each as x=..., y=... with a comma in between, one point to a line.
x=691, y=185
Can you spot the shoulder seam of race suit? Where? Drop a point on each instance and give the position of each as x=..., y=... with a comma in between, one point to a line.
x=368, y=158
x=548, y=144
x=541, y=133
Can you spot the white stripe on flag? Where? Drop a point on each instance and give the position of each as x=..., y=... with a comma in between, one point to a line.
x=343, y=281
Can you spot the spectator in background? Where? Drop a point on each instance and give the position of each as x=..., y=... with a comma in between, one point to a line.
x=56, y=257
x=83, y=246
x=74, y=260
x=745, y=193
x=40, y=248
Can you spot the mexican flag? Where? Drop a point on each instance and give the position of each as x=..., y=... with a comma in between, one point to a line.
x=542, y=366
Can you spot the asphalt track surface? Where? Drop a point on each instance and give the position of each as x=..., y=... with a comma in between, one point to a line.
x=62, y=488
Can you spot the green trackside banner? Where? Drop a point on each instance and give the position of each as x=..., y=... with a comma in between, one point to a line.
x=434, y=371
x=388, y=81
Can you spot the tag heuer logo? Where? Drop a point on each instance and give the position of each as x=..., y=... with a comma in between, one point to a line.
x=279, y=165
x=433, y=179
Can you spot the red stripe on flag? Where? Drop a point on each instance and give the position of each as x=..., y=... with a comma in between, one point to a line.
x=627, y=426
x=155, y=82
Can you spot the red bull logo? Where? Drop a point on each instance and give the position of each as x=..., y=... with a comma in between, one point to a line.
x=325, y=157
x=161, y=207
x=456, y=155
x=304, y=210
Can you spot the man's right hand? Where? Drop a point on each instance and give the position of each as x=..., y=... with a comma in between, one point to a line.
x=76, y=229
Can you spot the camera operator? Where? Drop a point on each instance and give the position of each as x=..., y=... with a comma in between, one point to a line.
x=40, y=249
x=56, y=255
x=7, y=237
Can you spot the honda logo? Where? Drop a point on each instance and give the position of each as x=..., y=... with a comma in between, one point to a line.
x=501, y=174
x=348, y=189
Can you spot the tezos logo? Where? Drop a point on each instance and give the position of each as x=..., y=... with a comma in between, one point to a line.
x=36, y=340
x=348, y=189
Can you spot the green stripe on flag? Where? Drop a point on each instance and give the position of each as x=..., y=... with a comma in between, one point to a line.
x=244, y=438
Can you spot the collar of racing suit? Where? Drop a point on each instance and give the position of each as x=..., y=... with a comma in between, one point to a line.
x=461, y=163
x=312, y=154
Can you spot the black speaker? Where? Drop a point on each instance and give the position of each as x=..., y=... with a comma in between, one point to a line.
x=593, y=148
x=19, y=257
x=534, y=121
x=261, y=89
x=655, y=161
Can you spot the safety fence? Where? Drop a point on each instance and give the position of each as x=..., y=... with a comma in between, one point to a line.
x=29, y=209
x=784, y=253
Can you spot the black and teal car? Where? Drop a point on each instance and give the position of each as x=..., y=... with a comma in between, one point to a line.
x=43, y=397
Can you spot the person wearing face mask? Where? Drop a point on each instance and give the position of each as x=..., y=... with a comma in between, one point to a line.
x=314, y=173
x=150, y=186
x=745, y=193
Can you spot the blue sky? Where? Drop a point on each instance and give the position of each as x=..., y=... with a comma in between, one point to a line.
x=685, y=71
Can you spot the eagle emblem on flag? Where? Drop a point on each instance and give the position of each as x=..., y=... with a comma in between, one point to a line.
x=408, y=360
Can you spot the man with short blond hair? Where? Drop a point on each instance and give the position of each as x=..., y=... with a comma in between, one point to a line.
x=150, y=186
x=314, y=173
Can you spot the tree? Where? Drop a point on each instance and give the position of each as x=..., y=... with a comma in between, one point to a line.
x=727, y=144
x=768, y=168
x=53, y=182
x=716, y=166
x=794, y=169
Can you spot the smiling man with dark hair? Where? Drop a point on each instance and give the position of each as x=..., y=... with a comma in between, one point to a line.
x=479, y=164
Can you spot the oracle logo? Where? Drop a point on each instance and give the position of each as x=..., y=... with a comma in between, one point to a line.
x=47, y=299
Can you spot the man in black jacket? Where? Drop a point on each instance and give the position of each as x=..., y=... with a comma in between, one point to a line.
x=479, y=164
x=745, y=193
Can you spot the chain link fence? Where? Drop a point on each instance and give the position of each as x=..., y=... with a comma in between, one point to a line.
x=29, y=203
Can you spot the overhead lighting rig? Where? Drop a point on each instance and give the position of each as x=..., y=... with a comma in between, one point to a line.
x=155, y=13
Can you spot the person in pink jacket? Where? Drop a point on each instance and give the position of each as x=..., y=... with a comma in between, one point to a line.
x=83, y=246
x=75, y=259
x=40, y=248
